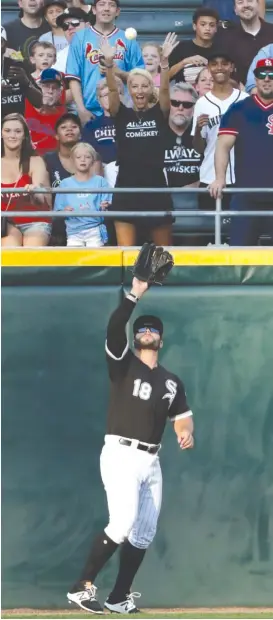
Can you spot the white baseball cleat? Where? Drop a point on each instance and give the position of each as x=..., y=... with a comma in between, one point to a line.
x=86, y=599
x=124, y=607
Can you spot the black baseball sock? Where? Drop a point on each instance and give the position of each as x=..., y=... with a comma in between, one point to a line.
x=130, y=561
x=102, y=550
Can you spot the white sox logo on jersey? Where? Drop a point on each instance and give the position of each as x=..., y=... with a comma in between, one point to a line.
x=269, y=125
x=172, y=390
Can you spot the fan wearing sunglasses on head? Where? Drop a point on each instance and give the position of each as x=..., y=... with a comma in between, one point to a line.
x=143, y=397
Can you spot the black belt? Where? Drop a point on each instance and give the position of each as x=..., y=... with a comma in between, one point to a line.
x=141, y=446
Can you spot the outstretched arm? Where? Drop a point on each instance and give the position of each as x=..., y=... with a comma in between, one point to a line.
x=168, y=46
x=109, y=52
x=116, y=342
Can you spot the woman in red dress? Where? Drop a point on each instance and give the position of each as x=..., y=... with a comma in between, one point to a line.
x=21, y=168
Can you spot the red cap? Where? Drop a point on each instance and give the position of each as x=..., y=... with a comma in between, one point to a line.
x=265, y=63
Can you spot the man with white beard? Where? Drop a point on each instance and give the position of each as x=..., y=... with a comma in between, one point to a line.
x=182, y=161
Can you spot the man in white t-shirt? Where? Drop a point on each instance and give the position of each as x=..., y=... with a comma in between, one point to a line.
x=208, y=112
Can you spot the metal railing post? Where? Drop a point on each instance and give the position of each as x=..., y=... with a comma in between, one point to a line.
x=217, y=221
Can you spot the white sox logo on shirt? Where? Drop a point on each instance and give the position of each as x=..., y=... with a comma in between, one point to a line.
x=269, y=125
x=172, y=390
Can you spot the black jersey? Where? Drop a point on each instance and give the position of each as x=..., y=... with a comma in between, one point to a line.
x=182, y=162
x=141, y=398
x=140, y=137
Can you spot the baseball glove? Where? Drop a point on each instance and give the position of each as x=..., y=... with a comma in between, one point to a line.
x=152, y=264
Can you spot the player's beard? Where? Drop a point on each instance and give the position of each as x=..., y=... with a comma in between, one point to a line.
x=147, y=346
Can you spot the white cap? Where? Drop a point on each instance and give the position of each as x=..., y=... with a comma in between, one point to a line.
x=3, y=34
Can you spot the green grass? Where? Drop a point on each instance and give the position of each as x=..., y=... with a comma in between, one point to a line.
x=83, y=615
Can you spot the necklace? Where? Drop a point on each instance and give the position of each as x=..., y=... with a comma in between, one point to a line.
x=140, y=116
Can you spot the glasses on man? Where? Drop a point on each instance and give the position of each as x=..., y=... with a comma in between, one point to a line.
x=75, y=23
x=153, y=330
x=261, y=75
x=186, y=104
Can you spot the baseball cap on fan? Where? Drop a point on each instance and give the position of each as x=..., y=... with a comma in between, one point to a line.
x=148, y=321
x=72, y=13
x=51, y=75
x=264, y=64
x=48, y=3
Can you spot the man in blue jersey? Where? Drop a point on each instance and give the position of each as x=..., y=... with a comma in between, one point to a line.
x=85, y=63
x=248, y=126
x=265, y=52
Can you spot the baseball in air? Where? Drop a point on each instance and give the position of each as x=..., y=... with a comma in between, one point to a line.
x=130, y=33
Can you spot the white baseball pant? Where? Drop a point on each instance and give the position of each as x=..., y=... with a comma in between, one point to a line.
x=133, y=483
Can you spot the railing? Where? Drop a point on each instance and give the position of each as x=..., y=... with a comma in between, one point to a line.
x=217, y=214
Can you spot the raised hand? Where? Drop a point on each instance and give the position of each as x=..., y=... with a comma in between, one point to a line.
x=169, y=45
x=139, y=287
x=107, y=50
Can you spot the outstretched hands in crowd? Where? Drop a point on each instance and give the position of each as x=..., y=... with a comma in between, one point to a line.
x=169, y=45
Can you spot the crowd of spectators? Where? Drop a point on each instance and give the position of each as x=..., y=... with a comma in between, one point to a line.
x=85, y=107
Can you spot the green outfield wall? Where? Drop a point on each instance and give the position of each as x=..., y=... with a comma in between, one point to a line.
x=214, y=545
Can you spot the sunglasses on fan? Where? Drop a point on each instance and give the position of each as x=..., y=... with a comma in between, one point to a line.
x=261, y=75
x=186, y=104
x=74, y=24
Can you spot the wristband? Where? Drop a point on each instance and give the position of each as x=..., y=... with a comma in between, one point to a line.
x=109, y=66
x=132, y=297
x=165, y=68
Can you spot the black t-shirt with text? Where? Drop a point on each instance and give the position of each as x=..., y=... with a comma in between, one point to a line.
x=21, y=38
x=185, y=49
x=13, y=94
x=182, y=162
x=140, y=138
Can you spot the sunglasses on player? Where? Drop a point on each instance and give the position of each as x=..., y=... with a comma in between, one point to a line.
x=142, y=330
x=73, y=24
x=261, y=75
x=186, y=104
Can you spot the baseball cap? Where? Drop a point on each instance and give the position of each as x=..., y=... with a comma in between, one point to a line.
x=148, y=320
x=48, y=3
x=68, y=116
x=72, y=12
x=51, y=75
x=116, y=1
x=220, y=54
x=3, y=34
x=264, y=63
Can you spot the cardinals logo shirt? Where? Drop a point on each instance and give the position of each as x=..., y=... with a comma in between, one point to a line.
x=83, y=61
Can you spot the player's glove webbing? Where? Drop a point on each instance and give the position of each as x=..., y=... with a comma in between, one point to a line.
x=152, y=264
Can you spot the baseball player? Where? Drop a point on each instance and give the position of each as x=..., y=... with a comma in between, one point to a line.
x=143, y=396
x=85, y=63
